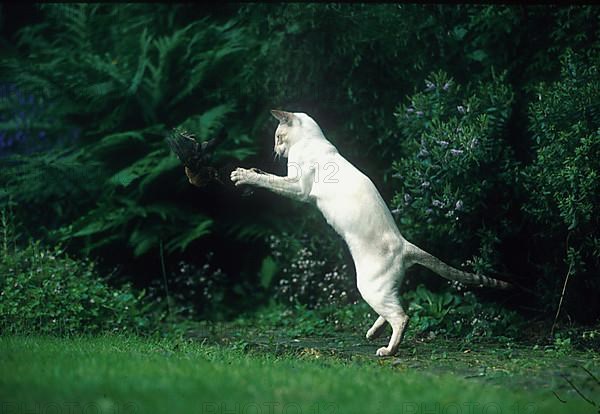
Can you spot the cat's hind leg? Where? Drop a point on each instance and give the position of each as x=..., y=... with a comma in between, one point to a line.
x=376, y=329
x=381, y=294
x=398, y=319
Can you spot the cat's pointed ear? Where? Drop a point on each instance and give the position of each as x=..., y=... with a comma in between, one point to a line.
x=282, y=116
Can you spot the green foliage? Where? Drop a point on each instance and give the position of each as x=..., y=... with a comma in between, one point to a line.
x=44, y=291
x=297, y=319
x=457, y=166
x=129, y=76
x=324, y=56
x=459, y=315
x=564, y=177
x=92, y=90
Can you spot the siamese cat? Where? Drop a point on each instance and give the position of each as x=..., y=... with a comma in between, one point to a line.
x=319, y=175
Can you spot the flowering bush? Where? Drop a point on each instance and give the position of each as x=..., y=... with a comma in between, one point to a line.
x=457, y=169
x=311, y=273
x=193, y=291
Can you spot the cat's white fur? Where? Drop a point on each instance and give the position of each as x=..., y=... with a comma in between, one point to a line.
x=351, y=204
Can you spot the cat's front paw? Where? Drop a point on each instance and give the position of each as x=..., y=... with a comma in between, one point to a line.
x=241, y=176
x=384, y=351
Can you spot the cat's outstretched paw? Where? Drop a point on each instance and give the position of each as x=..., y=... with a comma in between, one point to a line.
x=241, y=176
x=384, y=351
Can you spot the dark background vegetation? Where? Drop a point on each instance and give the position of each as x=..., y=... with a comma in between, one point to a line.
x=478, y=124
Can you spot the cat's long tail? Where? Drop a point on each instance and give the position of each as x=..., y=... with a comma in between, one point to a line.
x=420, y=256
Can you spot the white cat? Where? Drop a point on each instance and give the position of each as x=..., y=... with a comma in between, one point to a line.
x=351, y=204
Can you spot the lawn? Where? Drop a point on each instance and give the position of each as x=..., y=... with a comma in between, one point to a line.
x=128, y=374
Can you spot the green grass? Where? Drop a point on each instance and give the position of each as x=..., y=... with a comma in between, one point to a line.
x=113, y=374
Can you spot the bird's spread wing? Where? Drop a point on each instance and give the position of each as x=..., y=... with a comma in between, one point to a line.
x=185, y=146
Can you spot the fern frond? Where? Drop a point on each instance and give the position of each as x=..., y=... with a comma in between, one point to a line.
x=206, y=124
x=198, y=227
x=145, y=41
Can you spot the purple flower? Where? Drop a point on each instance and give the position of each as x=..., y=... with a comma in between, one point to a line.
x=459, y=205
x=410, y=110
x=446, y=86
x=428, y=211
x=443, y=144
x=456, y=152
x=461, y=109
x=437, y=203
x=430, y=86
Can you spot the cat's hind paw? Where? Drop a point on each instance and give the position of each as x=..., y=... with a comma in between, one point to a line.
x=372, y=334
x=384, y=351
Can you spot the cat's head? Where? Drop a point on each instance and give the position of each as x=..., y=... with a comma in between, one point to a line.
x=293, y=127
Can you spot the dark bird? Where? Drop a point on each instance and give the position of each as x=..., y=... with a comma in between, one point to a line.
x=195, y=156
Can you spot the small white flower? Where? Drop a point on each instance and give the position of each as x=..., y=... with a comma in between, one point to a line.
x=461, y=109
x=437, y=203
